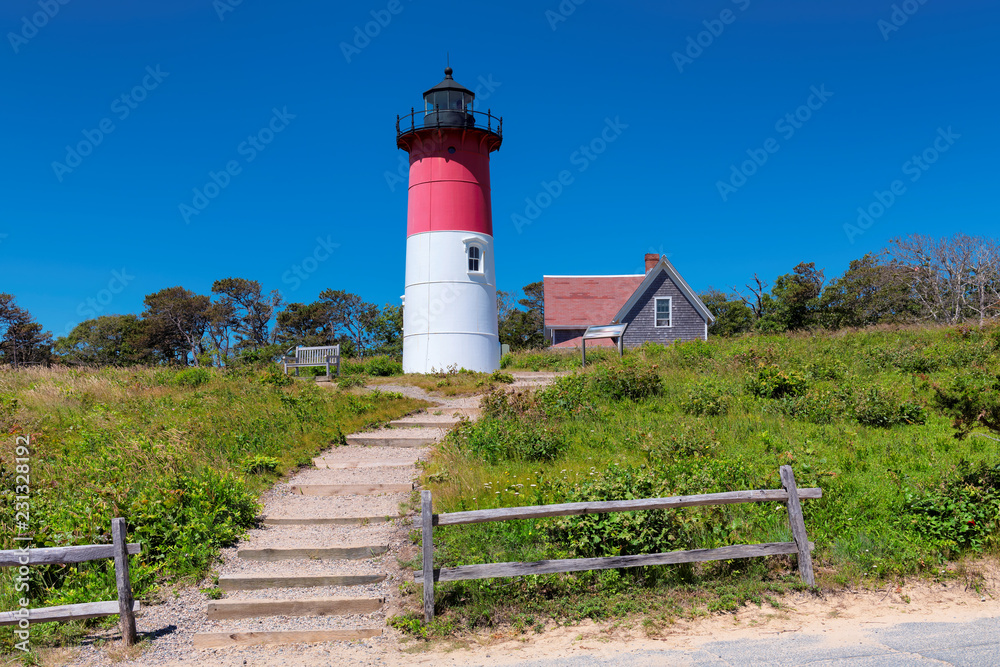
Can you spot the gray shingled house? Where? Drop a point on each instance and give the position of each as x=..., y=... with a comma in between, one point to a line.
x=657, y=306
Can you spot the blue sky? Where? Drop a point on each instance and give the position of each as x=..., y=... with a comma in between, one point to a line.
x=688, y=91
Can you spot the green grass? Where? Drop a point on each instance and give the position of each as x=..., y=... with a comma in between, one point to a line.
x=182, y=455
x=851, y=412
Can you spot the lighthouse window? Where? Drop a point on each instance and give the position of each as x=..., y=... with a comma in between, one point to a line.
x=474, y=258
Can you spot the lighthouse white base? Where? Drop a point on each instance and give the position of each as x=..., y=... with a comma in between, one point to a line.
x=449, y=312
x=428, y=353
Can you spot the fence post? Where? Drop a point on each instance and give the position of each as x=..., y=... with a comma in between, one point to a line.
x=798, y=525
x=122, y=578
x=427, y=537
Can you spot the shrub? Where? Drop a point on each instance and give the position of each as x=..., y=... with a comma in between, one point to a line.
x=259, y=463
x=772, y=382
x=882, y=409
x=707, y=398
x=383, y=367
x=192, y=377
x=502, y=378
x=816, y=406
x=962, y=513
x=495, y=440
x=275, y=377
x=631, y=381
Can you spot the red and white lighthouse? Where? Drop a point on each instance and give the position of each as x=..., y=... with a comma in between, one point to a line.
x=450, y=304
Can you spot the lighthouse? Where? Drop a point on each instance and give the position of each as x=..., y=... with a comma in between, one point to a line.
x=450, y=299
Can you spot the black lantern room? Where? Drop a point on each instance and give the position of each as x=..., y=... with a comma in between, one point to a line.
x=449, y=104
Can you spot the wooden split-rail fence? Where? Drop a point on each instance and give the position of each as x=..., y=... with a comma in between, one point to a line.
x=125, y=606
x=790, y=495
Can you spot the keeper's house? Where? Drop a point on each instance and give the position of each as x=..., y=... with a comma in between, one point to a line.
x=657, y=306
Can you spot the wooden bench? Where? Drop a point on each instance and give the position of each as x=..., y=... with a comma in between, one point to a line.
x=312, y=356
x=125, y=606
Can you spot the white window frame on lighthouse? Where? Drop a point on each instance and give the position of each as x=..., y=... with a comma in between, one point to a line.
x=475, y=252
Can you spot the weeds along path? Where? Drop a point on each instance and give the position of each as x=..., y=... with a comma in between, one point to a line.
x=316, y=582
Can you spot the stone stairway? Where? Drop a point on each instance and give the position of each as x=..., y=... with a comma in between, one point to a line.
x=325, y=562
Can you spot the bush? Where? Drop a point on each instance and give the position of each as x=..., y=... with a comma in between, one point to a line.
x=815, y=406
x=494, y=440
x=275, y=377
x=383, y=367
x=259, y=463
x=707, y=398
x=625, y=381
x=771, y=382
x=192, y=377
x=876, y=407
x=961, y=514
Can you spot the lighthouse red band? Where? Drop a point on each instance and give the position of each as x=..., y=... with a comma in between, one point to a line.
x=449, y=312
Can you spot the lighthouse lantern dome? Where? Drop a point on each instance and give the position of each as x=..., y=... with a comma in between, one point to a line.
x=449, y=104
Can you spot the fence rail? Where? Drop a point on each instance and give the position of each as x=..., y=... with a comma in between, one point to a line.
x=125, y=606
x=790, y=495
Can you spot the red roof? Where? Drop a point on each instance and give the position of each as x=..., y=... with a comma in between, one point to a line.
x=582, y=301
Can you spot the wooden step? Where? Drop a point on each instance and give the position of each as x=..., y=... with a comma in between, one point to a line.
x=203, y=640
x=350, y=489
x=220, y=610
x=333, y=553
x=390, y=439
x=248, y=582
x=426, y=422
x=324, y=521
x=334, y=464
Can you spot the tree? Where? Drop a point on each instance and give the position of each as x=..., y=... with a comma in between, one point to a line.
x=388, y=331
x=109, y=340
x=871, y=291
x=758, y=300
x=951, y=278
x=304, y=324
x=22, y=340
x=732, y=315
x=247, y=311
x=177, y=321
x=795, y=298
x=522, y=329
x=350, y=317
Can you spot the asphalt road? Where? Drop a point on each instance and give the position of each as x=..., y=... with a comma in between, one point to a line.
x=972, y=644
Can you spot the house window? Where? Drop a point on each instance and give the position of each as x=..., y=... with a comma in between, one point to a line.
x=475, y=257
x=664, y=306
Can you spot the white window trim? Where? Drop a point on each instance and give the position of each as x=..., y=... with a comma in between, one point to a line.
x=656, y=301
x=482, y=257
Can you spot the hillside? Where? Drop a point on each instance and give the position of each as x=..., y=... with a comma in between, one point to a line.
x=183, y=455
x=853, y=412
